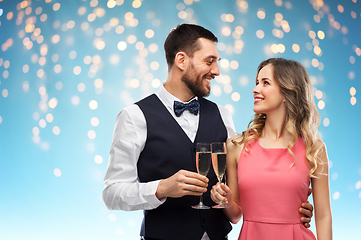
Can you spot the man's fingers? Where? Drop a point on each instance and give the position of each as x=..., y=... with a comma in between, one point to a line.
x=195, y=175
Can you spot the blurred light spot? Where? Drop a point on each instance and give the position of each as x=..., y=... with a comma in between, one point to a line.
x=36, y=116
x=136, y=4
x=228, y=89
x=56, y=130
x=92, y=134
x=243, y=80
x=99, y=44
x=296, y=48
x=91, y=17
x=42, y=123
x=111, y=3
x=93, y=104
x=221, y=46
x=36, y=131
x=53, y=103
x=326, y=122
x=154, y=65
x=98, y=159
x=57, y=172
x=77, y=70
x=81, y=87
x=122, y=45
x=234, y=65
x=182, y=15
x=224, y=63
x=261, y=14
x=216, y=90
x=318, y=94
x=99, y=12
x=112, y=217
x=57, y=68
x=334, y=176
x=352, y=59
x=155, y=83
x=75, y=100
x=226, y=31
x=139, y=45
x=72, y=54
x=119, y=231
x=314, y=62
x=230, y=108
x=42, y=91
x=353, y=15
x=6, y=64
x=260, y=34
x=153, y=47
x=351, y=75
x=25, y=86
x=336, y=195
x=279, y=17
x=358, y=185
x=94, y=121
x=5, y=74
x=81, y=11
x=353, y=91
x=1, y=119
x=134, y=83
x=149, y=33
x=49, y=117
x=98, y=83
x=42, y=62
x=312, y=34
x=353, y=100
x=321, y=104
x=235, y=96
x=321, y=34
x=87, y=59
x=317, y=50
x=59, y=85
x=340, y=8
x=9, y=15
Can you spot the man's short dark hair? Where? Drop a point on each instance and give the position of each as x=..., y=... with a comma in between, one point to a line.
x=184, y=38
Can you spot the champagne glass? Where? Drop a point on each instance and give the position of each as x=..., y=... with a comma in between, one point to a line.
x=219, y=154
x=203, y=163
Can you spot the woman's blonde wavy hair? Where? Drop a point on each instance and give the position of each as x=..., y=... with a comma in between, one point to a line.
x=302, y=118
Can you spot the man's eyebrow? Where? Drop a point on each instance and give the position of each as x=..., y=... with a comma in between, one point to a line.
x=214, y=57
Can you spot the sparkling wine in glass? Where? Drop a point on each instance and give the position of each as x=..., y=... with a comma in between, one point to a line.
x=203, y=163
x=219, y=155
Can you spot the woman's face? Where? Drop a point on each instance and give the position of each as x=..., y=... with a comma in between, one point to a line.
x=267, y=93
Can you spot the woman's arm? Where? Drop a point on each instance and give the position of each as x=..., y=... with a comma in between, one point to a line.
x=321, y=196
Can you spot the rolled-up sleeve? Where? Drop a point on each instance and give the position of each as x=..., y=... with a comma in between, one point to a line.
x=122, y=190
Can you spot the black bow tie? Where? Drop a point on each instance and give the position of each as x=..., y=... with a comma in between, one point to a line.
x=192, y=107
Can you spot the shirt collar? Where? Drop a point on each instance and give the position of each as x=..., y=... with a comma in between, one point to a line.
x=168, y=99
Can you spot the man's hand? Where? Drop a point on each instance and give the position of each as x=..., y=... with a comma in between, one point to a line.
x=306, y=209
x=182, y=183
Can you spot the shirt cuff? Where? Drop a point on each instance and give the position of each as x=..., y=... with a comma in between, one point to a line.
x=152, y=198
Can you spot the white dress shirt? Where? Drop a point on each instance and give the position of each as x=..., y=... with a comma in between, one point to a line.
x=122, y=190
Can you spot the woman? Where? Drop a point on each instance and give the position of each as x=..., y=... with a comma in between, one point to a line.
x=270, y=166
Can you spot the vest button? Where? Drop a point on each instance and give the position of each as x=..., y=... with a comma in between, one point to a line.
x=204, y=221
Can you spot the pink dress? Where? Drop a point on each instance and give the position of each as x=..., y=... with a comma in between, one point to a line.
x=271, y=192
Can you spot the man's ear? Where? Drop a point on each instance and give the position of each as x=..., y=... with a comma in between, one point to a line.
x=181, y=60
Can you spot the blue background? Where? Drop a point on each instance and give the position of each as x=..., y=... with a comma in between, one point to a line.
x=53, y=158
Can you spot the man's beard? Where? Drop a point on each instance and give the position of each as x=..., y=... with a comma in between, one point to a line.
x=195, y=83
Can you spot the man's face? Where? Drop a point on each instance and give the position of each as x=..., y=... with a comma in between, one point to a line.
x=203, y=67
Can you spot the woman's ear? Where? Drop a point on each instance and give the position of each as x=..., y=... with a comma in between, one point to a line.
x=181, y=60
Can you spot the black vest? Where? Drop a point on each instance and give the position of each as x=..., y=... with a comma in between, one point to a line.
x=168, y=150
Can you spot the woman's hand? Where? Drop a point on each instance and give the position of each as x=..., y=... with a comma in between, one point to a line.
x=221, y=192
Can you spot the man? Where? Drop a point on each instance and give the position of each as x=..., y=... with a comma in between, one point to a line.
x=152, y=157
